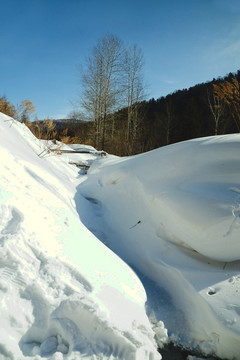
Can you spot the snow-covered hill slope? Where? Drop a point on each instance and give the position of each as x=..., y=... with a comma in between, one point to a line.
x=173, y=214
x=63, y=294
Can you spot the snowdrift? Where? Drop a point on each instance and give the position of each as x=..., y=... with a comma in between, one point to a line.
x=114, y=263
x=173, y=214
x=63, y=294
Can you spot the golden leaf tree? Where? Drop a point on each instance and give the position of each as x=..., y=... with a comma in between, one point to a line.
x=229, y=92
x=26, y=109
x=6, y=107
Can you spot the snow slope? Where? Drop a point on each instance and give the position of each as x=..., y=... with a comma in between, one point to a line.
x=63, y=294
x=173, y=214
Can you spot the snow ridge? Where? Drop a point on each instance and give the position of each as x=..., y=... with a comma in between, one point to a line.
x=60, y=287
x=173, y=215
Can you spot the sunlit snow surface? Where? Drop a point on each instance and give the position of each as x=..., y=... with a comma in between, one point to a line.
x=63, y=294
x=172, y=214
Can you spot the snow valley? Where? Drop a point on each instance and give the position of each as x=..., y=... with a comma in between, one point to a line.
x=116, y=262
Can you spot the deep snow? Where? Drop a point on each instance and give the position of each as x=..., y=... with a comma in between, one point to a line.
x=62, y=292
x=172, y=215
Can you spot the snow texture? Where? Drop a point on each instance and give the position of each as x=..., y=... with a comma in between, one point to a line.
x=115, y=263
x=63, y=294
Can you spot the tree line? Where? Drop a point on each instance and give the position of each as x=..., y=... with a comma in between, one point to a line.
x=20, y=112
x=121, y=122
x=112, y=114
x=211, y=108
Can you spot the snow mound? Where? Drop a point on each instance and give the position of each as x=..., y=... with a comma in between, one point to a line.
x=173, y=215
x=192, y=188
x=63, y=294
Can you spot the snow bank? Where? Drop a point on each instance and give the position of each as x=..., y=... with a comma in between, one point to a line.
x=63, y=294
x=173, y=214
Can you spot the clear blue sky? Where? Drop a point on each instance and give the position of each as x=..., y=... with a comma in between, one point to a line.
x=43, y=42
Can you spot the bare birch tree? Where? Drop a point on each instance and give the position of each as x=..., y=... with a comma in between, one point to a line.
x=112, y=79
x=134, y=89
x=99, y=81
x=216, y=105
x=169, y=118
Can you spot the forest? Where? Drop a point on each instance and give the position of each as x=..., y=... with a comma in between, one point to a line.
x=211, y=108
x=205, y=109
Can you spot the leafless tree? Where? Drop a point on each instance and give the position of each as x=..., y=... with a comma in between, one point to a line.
x=133, y=88
x=229, y=93
x=100, y=83
x=169, y=118
x=216, y=105
x=112, y=79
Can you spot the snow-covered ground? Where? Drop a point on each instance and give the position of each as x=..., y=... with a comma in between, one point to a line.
x=173, y=214
x=63, y=294
x=114, y=263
